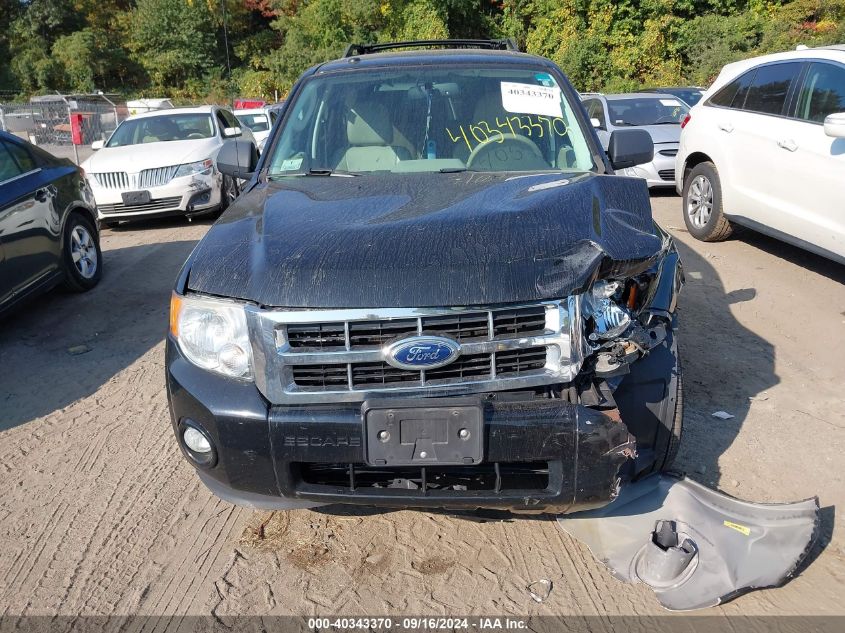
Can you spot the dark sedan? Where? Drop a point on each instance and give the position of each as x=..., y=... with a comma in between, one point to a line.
x=48, y=229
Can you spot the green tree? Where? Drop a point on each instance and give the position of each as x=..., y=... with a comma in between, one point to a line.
x=175, y=42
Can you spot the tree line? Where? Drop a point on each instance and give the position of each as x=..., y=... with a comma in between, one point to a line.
x=215, y=49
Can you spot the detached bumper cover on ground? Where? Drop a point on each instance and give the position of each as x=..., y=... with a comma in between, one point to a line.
x=693, y=546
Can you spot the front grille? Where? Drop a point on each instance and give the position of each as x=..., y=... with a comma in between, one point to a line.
x=463, y=327
x=152, y=205
x=112, y=180
x=668, y=152
x=515, y=362
x=491, y=477
x=146, y=179
x=339, y=355
x=156, y=177
x=666, y=174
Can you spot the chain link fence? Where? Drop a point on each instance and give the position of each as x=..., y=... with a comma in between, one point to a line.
x=46, y=121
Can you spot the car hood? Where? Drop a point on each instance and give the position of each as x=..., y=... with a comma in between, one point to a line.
x=425, y=239
x=669, y=133
x=134, y=158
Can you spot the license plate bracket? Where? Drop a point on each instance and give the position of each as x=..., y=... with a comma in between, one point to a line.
x=135, y=198
x=436, y=431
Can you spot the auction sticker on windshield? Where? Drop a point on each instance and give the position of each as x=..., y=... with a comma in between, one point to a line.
x=531, y=99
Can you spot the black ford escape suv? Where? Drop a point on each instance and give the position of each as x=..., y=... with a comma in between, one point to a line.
x=433, y=293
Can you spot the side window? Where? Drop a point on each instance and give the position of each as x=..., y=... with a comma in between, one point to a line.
x=14, y=161
x=22, y=157
x=229, y=118
x=823, y=92
x=221, y=122
x=596, y=111
x=733, y=95
x=770, y=88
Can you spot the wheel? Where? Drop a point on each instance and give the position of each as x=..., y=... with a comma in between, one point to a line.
x=81, y=254
x=228, y=192
x=702, y=201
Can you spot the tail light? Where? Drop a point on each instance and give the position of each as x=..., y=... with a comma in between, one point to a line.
x=685, y=121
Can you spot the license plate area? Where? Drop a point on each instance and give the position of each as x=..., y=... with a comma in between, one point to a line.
x=134, y=198
x=443, y=431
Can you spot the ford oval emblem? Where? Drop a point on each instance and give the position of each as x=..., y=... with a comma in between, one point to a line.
x=422, y=352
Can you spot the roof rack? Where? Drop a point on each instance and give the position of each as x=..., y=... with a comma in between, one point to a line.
x=505, y=44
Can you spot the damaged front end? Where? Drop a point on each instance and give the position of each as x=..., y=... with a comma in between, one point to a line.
x=551, y=300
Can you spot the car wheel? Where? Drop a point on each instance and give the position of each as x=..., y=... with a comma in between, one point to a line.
x=702, y=202
x=228, y=192
x=81, y=254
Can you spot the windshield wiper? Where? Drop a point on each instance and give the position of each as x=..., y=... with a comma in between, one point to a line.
x=331, y=172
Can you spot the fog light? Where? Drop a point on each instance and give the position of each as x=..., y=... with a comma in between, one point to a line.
x=196, y=441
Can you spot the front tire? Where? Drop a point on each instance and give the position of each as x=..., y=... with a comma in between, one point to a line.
x=81, y=254
x=702, y=205
x=228, y=192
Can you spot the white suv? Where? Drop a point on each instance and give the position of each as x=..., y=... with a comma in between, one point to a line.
x=765, y=148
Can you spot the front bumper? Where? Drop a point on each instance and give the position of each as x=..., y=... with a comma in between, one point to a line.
x=660, y=172
x=186, y=195
x=538, y=454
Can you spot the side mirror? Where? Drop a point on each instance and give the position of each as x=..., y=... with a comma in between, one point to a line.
x=596, y=123
x=630, y=147
x=231, y=132
x=98, y=145
x=834, y=125
x=237, y=159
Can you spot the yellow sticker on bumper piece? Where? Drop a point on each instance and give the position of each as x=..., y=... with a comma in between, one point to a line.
x=739, y=528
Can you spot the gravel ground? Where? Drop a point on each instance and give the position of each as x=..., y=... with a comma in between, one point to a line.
x=99, y=514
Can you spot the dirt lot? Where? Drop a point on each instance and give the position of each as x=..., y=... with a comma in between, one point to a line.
x=99, y=513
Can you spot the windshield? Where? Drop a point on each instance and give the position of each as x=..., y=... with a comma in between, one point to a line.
x=165, y=127
x=690, y=97
x=429, y=120
x=255, y=122
x=646, y=111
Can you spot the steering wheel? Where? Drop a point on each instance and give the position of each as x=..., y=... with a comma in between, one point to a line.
x=506, y=153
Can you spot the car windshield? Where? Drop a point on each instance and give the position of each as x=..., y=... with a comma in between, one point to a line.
x=688, y=96
x=164, y=127
x=431, y=120
x=256, y=122
x=646, y=111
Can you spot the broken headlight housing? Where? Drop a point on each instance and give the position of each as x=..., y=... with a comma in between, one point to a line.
x=611, y=318
x=212, y=334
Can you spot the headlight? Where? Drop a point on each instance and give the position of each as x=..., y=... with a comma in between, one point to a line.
x=212, y=334
x=199, y=167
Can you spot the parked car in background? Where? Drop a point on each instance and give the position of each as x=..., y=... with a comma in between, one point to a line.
x=258, y=121
x=766, y=149
x=434, y=291
x=659, y=114
x=688, y=94
x=275, y=111
x=164, y=163
x=48, y=224
x=139, y=106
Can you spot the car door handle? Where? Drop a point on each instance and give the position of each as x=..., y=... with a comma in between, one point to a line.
x=788, y=144
x=726, y=127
